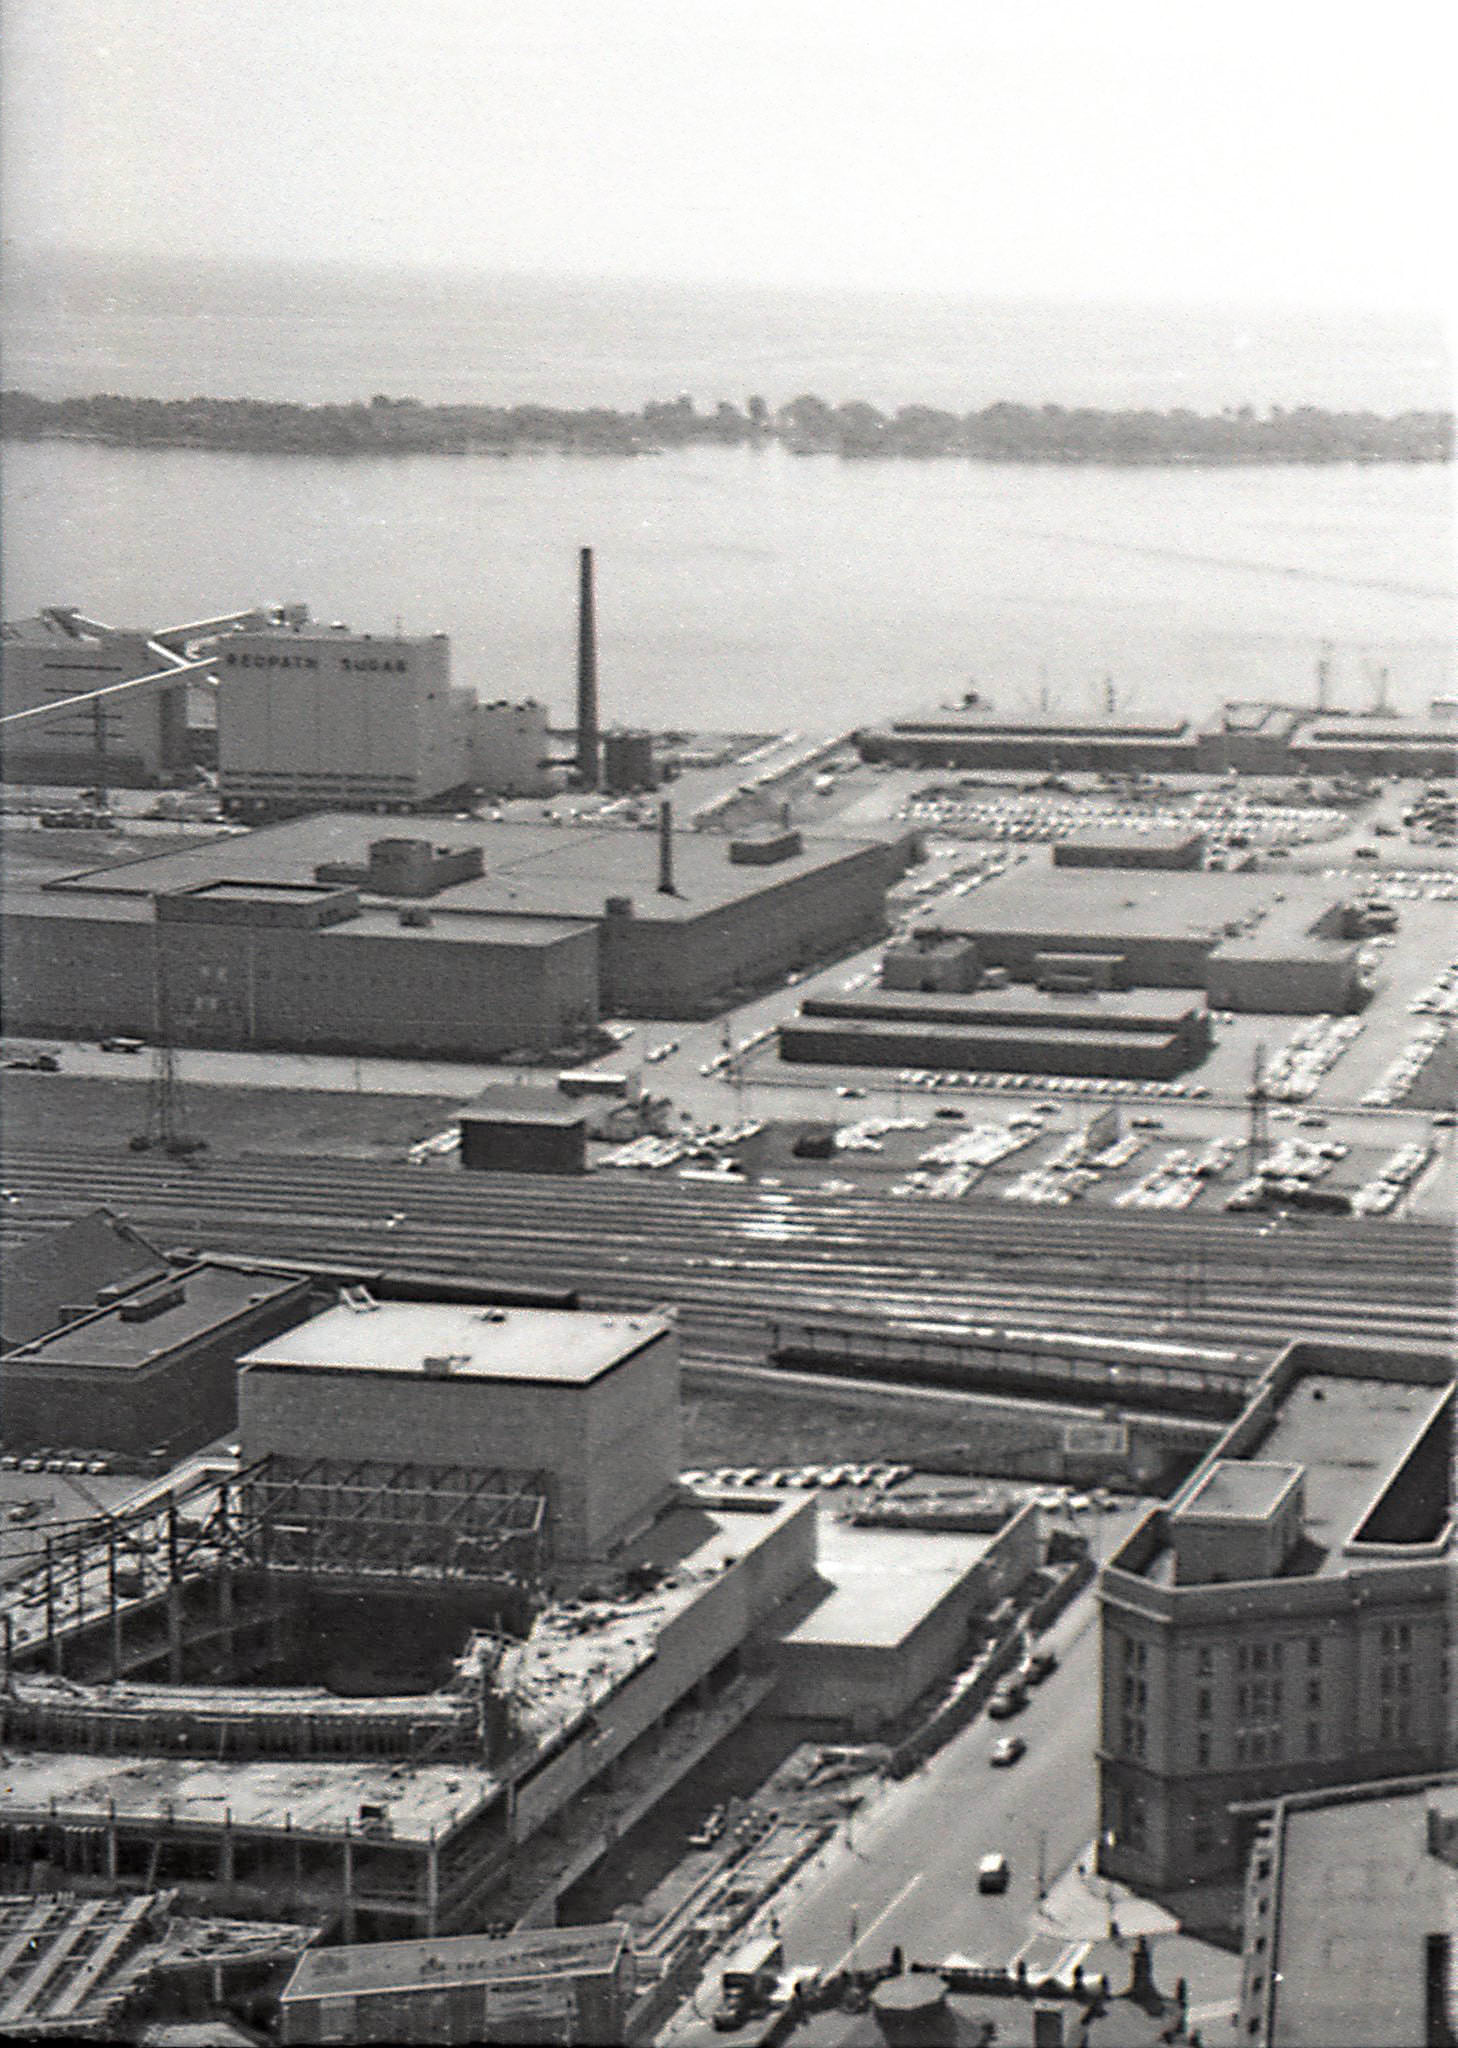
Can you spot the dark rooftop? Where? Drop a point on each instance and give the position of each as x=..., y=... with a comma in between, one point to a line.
x=67, y=1266
x=531, y=870
x=206, y=1296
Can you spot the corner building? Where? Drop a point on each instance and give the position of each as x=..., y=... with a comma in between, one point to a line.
x=1286, y=1622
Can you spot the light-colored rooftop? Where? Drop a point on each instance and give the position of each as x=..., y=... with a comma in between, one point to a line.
x=530, y=1953
x=568, y=1347
x=881, y=1584
x=307, y=1795
x=1242, y=1491
x=1359, y=1893
x=1348, y=1437
x=1036, y=899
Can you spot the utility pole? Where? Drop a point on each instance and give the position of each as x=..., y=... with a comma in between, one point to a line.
x=166, y=1126
x=1258, y=1132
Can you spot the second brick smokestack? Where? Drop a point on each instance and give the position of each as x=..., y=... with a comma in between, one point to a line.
x=588, y=750
x=665, y=850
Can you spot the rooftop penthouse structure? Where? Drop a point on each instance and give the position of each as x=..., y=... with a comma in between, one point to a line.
x=1285, y=1623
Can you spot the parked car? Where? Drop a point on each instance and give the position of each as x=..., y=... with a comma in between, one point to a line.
x=1038, y=1665
x=1007, y=1749
x=993, y=1873
x=1009, y=1699
x=120, y=1044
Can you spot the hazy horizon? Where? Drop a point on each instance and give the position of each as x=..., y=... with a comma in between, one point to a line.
x=1267, y=157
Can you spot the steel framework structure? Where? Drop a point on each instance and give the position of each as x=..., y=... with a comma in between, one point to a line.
x=448, y=1528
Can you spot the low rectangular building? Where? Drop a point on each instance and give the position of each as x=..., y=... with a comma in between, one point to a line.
x=889, y=1615
x=155, y=1370
x=523, y=1130
x=1114, y=849
x=541, y=1984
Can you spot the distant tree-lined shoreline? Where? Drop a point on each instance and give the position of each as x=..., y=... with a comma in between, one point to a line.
x=1003, y=432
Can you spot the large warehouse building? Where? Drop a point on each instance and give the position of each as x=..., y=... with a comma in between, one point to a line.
x=1168, y=930
x=1247, y=738
x=320, y=934
x=316, y=716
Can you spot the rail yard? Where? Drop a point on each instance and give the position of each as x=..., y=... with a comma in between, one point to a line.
x=731, y=1256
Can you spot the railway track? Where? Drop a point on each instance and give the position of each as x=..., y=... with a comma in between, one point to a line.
x=728, y=1257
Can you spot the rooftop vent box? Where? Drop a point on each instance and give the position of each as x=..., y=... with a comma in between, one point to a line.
x=440, y=1365
x=142, y=1307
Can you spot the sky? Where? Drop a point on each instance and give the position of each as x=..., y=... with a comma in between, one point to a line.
x=1293, y=152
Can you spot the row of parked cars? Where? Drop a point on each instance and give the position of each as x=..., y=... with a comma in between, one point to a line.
x=880, y=1478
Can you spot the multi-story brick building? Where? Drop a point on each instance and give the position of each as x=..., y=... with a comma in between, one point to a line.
x=1285, y=1623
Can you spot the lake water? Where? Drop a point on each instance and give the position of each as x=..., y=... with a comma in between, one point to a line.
x=742, y=587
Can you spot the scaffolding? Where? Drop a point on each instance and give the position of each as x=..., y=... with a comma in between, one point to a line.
x=448, y=1529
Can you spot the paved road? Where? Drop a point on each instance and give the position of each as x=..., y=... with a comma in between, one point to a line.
x=904, y=1872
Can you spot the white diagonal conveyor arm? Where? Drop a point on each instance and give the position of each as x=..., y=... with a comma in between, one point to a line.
x=169, y=674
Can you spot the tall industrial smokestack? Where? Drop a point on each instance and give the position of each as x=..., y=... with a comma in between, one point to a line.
x=588, y=750
x=665, y=849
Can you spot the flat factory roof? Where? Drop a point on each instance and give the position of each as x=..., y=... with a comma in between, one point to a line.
x=558, y=1347
x=434, y=1964
x=1020, y=1003
x=1113, y=838
x=531, y=870
x=209, y=1296
x=883, y=1583
x=1244, y=1491
x=1037, y=899
x=1359, y=1892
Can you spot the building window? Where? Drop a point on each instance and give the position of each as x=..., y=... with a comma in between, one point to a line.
x=1313, y=1692
x=1404, y=1678
x=1202, y=1703
x=1258, y=1746
x=1258, y=1657
x=1203, y=1838
x=1242, y=1700
x=1384, y=1679
x=1205, y=1661
x=1313, y=1649
x=1275, y=1656
x=1242, y=1658
x=1404, y=1635
x=1202, y=1749
x=1387, y=1635
x=1313, y=1738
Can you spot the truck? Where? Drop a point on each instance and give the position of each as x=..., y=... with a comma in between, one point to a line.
x=748, y=1982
